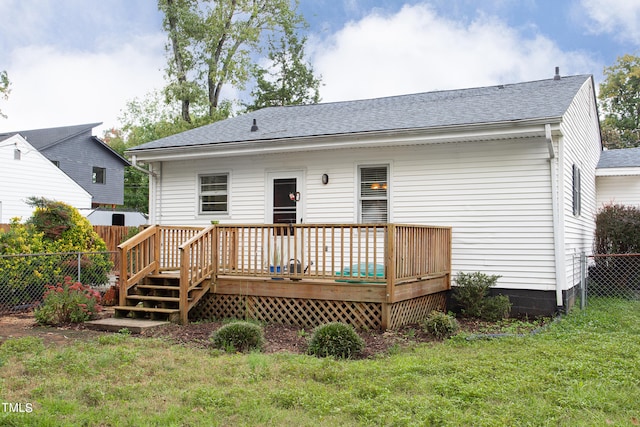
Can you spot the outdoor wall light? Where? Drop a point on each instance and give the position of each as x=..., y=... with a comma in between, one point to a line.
x=325, y=178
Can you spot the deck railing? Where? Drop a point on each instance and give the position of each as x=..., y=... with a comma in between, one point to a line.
x=389, y=254
x=377, y=253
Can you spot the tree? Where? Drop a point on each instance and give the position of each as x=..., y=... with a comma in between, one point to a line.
x=289, y=80
x=212, y=43
x=145, y=120
x=620, y=102
x=4, y=88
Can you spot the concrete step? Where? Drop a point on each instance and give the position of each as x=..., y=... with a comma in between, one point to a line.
x=113, y=324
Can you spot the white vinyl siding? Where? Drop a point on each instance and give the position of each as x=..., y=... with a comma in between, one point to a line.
x=33, y=175
x=621, y=190
x=580, y=146
x=373, y=197
x=495, y=195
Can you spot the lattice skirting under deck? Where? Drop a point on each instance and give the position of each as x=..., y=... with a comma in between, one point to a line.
x=310, y=313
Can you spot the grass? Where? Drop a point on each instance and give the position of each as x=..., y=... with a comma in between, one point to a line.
x=583, y=370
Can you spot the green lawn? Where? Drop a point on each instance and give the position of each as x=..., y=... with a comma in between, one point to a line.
x=582, y=370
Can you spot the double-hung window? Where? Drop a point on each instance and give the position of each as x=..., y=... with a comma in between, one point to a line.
x=214, y=193
x=373, y=196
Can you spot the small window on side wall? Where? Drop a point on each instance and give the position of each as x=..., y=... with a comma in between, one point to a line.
x=214, y=193
x=577, y=191
x=99, y=175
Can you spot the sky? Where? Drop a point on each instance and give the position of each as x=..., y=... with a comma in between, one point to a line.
x=80, y=61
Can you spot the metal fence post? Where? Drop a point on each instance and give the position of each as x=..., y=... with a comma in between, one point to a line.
x=583, y=280
x=79, y=266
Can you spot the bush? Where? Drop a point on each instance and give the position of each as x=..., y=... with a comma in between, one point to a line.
x=472, y=295
x=53, y=228
x=440, y=325
x=617, y=230
x=335, y=339
x=68, y=302
x=238, y=336
x=496, y=308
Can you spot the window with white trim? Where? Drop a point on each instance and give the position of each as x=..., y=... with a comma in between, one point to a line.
x=373, y=194
x=214, y=193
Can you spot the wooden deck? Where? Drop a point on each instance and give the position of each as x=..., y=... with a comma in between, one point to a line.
x=368, y=275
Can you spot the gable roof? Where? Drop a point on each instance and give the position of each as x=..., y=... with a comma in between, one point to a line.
x=622, y=158
x=42, y=139
x=543, y=99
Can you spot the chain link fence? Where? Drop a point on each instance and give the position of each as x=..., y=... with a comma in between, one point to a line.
x=610, y=276
x=24, y=277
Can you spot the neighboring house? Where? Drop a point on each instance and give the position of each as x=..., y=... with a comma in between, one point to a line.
x=24, y=173
x=618, y=177
x=85, y=158
x=113, y=217
x=511, y=168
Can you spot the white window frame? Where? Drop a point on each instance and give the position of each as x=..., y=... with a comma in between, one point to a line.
x=387, y=196
x=213, y=193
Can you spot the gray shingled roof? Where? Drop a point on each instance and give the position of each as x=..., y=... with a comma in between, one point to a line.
x=43, y=138
x=512, y=102
x=623, y=158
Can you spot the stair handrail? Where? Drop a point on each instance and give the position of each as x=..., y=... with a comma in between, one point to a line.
x=138, y=257
x=198, y=261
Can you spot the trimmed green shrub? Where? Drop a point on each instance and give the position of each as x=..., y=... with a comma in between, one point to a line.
x=472, y=295
x=496, y=308
x=440, y=325
x=238, y=336
x=335, y=339
x=68, y=302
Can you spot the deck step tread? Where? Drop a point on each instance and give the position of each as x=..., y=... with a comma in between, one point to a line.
x=153, y=298
x=168, y=287
x=146, y=309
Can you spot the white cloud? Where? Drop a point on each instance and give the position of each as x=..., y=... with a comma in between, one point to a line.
x=621, y=18
x=53, y=87
x=416, y=50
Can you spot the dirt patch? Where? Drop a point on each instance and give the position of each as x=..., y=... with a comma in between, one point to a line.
x=279, y=338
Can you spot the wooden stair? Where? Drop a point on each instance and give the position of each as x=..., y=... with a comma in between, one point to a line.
x=157, y=297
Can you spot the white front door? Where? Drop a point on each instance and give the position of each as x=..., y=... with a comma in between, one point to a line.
x=284, y=197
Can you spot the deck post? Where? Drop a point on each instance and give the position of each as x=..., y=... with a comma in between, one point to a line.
x=156, y=248
x=215, y=240
x=184, y=285
x=122, y=280
x=391, y=261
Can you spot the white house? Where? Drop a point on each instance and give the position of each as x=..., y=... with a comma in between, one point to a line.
x=511, y=168
x=24, y=173
x=618, y=177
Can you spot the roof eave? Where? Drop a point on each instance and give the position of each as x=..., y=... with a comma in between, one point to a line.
x=524, y=128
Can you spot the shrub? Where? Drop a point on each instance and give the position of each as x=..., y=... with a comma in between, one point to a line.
x=238, y=336
x=496, y=308
x=440, y=325
x=617, y=230
x=53, y=228
x=68, y=302
x=472, y=295
x=335, y=339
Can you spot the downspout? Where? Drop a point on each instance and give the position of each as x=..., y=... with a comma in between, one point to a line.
x=153, y=185
x=557, y=208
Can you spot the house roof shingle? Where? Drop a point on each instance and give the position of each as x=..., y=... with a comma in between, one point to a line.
x=42, y=139
x=493, y=104
x=622, y=158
